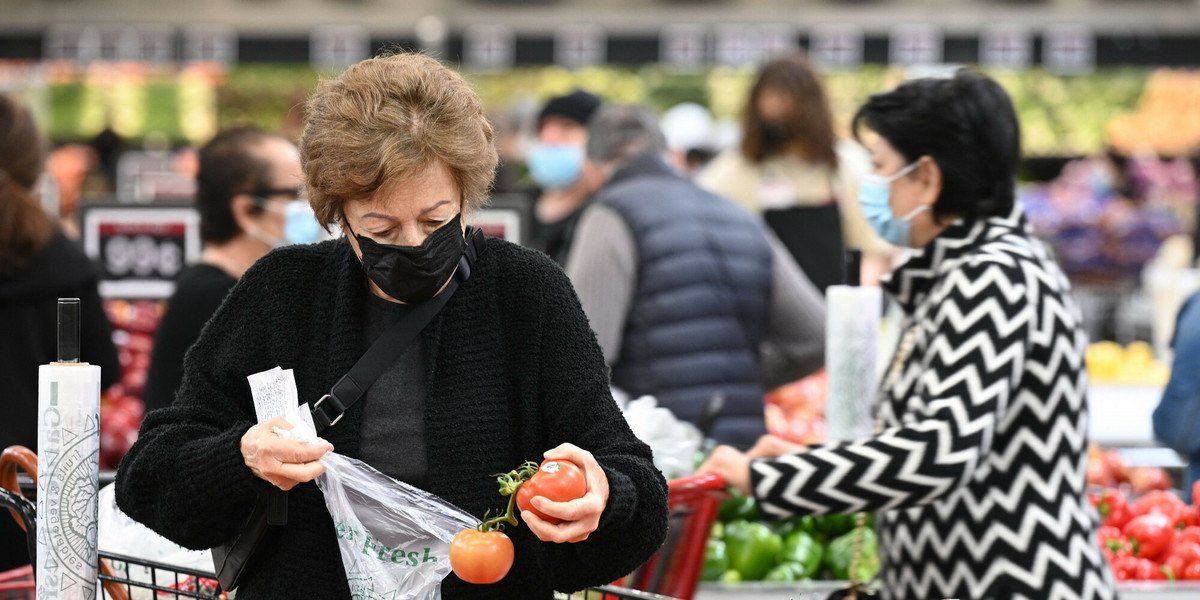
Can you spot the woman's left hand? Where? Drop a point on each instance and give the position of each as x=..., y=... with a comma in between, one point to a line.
x=730, y=464
x=581, y=516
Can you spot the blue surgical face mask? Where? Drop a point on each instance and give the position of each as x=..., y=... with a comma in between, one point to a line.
x=555, y=167
x=875, y=195
x=300, y=224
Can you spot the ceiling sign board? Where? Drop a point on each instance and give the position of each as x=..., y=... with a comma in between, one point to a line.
x=210, y=43
x=836, y=46
x=916, y=45
x=683, y=46
x=489, y=47
x=577, y=46
x=1069, y=50
x=338, y=46
x=1006, y=47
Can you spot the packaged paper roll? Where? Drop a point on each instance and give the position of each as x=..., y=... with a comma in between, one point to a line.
x=68, y=469
x=852, y=336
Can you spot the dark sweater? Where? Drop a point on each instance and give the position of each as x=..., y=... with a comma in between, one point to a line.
x=199, y=290
x=28, y=338
x=512, y=369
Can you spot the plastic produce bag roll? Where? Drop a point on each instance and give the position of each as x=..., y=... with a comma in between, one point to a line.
x=68, y=468
x=851, y=353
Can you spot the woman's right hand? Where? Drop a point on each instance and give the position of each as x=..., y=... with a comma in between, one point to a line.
x=284, y=463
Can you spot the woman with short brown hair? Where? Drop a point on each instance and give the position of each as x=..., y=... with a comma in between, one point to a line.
x=396, y=151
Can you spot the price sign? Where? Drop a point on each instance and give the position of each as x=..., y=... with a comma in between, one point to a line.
x=916, y=45
x=498, y=223
x=837, y=46
x=140, y=249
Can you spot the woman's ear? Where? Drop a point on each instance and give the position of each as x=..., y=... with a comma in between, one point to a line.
x=929, y=177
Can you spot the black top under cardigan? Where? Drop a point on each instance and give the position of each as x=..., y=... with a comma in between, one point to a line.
x=513, y=370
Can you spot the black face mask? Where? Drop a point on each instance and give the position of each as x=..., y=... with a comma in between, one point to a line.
x=776, y=135
x=413, y=274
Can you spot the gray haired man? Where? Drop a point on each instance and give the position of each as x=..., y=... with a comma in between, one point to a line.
x=690, y=295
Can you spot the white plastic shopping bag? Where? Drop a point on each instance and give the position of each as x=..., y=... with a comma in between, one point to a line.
x=394, y=538
x=673, y=442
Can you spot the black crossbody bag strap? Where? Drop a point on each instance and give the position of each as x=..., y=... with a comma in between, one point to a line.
x=231, y=559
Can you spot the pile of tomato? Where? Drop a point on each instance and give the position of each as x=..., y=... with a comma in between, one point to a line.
x=1155, y=537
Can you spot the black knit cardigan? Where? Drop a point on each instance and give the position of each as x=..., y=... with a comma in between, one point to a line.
x=513, y=370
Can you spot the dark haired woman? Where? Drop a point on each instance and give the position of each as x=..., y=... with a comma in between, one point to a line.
x=978, y=467
x=38, y=265
x=791, y=168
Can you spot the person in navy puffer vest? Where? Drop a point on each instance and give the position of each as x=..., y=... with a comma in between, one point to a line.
x=690, y=295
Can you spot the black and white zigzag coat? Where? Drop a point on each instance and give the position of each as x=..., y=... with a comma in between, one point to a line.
x=979, y=469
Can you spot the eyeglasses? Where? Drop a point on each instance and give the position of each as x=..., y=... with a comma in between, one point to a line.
x=296, y=193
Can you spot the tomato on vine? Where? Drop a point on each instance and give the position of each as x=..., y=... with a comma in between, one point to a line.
x=555, y=480
x=481, y=557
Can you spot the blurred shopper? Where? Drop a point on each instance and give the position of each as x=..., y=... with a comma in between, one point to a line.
x=556, y=166
x=38, y=265
x=791, y=168
x=1177, y=416
x=979, y=469
x=397, y=151
x=248, y=193
x=688, y=128
x=684, y=289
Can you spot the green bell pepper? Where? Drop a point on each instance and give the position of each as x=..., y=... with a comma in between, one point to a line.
x=787, y=571
x=835, y=526
x=801, y=548
x=716, y=561
x=841, y=552
x=752, y=548
x=739, y=508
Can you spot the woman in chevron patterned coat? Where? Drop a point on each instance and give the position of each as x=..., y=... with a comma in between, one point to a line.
x=978, y=469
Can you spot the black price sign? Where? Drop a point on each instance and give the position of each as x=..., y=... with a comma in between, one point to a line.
x=141, y=250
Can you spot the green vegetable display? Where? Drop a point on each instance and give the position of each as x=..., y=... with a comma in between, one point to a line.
x=752, y=548
x=716, y=561
x=841, y=554
x=740, y=548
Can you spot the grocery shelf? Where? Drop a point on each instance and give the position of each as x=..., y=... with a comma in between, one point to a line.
x=819, y=590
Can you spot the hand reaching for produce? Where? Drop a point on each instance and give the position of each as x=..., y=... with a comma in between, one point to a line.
x=283, y=463
x=773, y=446
x=579, y=517
x=731, y=465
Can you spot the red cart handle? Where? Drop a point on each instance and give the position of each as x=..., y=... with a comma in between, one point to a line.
x=698, y=483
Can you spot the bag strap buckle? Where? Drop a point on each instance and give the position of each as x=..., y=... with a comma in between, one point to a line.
x=327, y=414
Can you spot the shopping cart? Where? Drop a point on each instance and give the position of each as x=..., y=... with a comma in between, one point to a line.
x=672, y=574
x=675, y=570
x=121, y=577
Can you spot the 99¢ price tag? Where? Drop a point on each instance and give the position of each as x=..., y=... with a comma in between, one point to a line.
x=140, y=250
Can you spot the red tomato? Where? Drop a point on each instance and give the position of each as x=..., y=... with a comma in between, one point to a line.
x=1188, y=534
x=557, y=481
x=1112, y=506
x=1107, y=533
x=1124, y=567
x=1175, y=567
x=1144, y=479
x=1158, y=501
x=1190, y=572
x=1188, y=551
x=1148, y=570
x=481, y=557
x=1152, y=534
x=1189, y=516
x=1196, y=494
